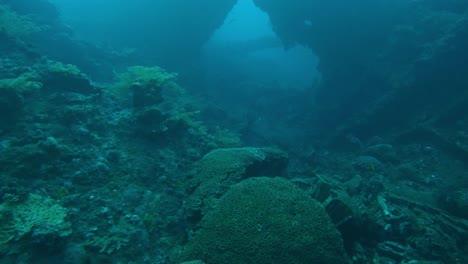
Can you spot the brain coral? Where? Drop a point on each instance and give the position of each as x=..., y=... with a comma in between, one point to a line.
x=221, y=168
x=265, y=220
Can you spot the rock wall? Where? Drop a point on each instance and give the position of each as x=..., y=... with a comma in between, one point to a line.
x=384, y=64
x=174, y=31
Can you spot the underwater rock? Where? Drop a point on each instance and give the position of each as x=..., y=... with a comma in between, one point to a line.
x=193, y=262
x=424, y=134
x=436, y=235
x=41, y=10
x=146, y=94
x=367, y=164
x=331, y=195
x=150, y=123
x=72, y=98
x=456, y=202
x=14, y=25
x=392, y=250
x=383, y=152
x=305, y=22
x=11, y=106
x=14, y=92
x=403, y=228
x=51, y=146
x=173, y=48
x=77, y=115
x=407, y=171
x=75, y=254
x=145, y=84
x=411, y=46
x=32, y=160
x=265, y=220
x=221, y=168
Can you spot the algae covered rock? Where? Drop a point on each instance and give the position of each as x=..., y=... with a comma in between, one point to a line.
x=221, y=168
x=265, y=220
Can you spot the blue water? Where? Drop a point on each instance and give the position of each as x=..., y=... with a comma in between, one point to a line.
x=233, y=131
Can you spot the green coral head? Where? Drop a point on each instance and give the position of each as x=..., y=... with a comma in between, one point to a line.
x=63, y=68
x=143, y=76
x=154, y=75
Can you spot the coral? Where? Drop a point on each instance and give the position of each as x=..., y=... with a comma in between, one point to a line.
x=235, y=160
x=185, y=121
x=57, y=76
x=21, y=161
x=40, y=217
x=265, y=220
x=221, y=168
x=150, y=123
x=193, y=262
x=117, y=237
x=158, y=126
x=109, y=243
x=163, y=113
x=59, y=67
x=154, y=75
x=145, y=80
x=24, y=84
x=7, y=231
x=224, y=138
x=37, y=159
x=153, y=221
x=14, y=25
x=12, y=94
